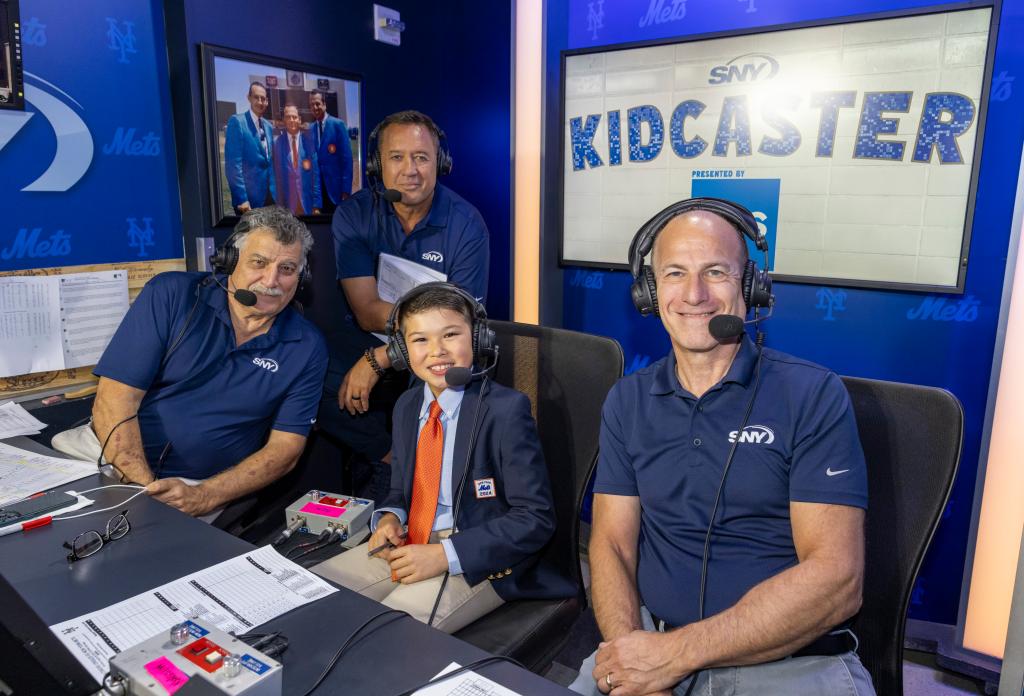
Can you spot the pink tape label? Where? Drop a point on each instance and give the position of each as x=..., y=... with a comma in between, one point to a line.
x=169, y=676
x=325, y=510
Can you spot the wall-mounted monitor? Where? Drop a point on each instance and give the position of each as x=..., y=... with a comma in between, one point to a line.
x=12, y=87
x=856, y=144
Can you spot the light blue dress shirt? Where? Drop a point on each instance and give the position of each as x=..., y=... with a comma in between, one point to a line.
x=450, y=401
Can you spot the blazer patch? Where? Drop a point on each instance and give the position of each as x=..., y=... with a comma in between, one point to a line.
x=484, y=488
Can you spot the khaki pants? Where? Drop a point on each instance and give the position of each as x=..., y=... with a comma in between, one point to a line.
x=460, y=606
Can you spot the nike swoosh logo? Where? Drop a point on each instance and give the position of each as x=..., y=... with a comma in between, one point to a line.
x=829, y=471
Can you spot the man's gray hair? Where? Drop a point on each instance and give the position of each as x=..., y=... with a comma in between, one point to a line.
x=287, y=228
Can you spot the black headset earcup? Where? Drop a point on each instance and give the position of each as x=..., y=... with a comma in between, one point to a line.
x=652, y=290
x=225, y=258
x=483, y=341
x=749, y=269
x=396, y=352
x=644, y=294
x=761, y=289
x=757, y=286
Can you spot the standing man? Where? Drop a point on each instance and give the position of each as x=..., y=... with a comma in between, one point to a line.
x=247, y=154
x=743, y=458
x=429, y=224
x=334, y=153
x=296, y=172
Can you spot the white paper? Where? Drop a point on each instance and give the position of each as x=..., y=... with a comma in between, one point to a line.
x=397, y=276
x=58, y=322
x=15, y=420
x=466, y=684
x=91, y=308
x=29, y=325
x=236, y=595
x=23, y=473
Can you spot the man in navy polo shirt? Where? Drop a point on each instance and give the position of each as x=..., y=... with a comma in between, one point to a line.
x=786, y=557
x=225, y=394
x=431, y=225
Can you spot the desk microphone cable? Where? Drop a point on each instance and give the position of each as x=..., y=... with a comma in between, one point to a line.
x=349, y=641
x=333, y=536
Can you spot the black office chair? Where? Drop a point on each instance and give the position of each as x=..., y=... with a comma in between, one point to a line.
x=567, y=375
x=911, y=437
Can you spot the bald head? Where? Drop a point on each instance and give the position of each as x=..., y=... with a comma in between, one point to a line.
x=704, y=223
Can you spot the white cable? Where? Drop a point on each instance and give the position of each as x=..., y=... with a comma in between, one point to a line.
x=140, y=489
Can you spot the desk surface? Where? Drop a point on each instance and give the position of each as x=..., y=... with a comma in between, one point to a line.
x=165, y=544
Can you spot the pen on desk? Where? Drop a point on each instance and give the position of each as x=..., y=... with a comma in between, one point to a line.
x=388, y=545
x=22, y=526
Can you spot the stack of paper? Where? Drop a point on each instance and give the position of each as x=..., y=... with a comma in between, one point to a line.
x=15, y=420
x=23, y=473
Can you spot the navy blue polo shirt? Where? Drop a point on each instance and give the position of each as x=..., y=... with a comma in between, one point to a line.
x=452, y=239
x=661, y=443
x=214, y=402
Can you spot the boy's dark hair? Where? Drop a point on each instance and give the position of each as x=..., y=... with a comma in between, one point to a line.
x=436, y=298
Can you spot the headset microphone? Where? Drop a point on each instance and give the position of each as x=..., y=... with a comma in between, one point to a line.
x=726, y=326
x=391, y=195
x=461, y=376
x=246, y=298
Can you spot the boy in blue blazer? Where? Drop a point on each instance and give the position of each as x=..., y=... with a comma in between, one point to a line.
x=445, y=557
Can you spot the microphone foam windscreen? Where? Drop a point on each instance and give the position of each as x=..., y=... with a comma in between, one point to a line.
x=725, y=326
x=458, y=376
x=246, y=297
x=391, y=195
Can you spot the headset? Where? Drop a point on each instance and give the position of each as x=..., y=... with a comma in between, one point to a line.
x=225, y=259
x=373, y=164
x=485, y=346
x=757, y=284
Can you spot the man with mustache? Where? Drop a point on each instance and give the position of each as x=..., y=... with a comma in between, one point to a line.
x=204, y=399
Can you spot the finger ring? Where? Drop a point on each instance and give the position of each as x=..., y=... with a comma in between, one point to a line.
x=608, y=679
x=357, y=398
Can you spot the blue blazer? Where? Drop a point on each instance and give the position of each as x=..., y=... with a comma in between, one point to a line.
x=247, y=166
x=309, y=171
x=335, y=154
x=499, y=538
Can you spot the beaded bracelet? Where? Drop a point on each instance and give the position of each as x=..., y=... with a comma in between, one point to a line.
x=370, y=358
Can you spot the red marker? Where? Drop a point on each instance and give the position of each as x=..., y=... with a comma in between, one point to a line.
x=22, y=526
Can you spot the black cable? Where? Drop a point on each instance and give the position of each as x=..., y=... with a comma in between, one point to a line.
x=461, y=670
x=348, y=642
x=99, y=459
x=324, y=535
x=188, y=320
x=316, y=548
x=484, y=388
x=718, y=498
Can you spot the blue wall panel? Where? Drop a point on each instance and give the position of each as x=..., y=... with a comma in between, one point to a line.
x=939, y=340
x=88, y=167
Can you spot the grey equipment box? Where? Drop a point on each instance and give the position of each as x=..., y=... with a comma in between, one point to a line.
x=193, y=650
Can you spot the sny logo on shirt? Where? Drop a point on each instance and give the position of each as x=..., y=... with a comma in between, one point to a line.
x=433, y=256
x=757, y=434
x=266, y=363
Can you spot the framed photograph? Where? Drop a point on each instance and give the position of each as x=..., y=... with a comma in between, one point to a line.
x=855, y=143
x=279, y=132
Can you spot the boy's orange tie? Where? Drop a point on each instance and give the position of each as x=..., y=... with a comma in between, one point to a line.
x=426, y=480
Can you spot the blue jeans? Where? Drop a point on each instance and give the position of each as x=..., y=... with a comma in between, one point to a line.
x=818, y=675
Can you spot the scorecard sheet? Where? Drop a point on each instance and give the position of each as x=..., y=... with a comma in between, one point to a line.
x=236, y=596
